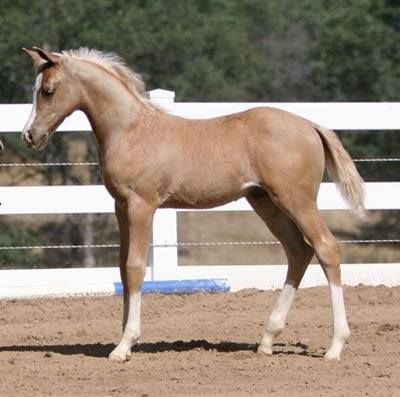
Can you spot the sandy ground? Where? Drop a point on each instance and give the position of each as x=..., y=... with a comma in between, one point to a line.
x=200, y=345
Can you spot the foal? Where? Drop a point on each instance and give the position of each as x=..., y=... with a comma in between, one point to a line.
x=151, y=159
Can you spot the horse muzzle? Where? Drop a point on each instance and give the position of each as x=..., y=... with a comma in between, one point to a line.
x=33, y=142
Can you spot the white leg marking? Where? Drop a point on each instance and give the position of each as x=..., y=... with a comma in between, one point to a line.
x=340, y=328
x=131, y=332
x=277, y=318
x=37, y=87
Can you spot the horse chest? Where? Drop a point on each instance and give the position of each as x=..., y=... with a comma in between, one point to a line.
x=115, y=180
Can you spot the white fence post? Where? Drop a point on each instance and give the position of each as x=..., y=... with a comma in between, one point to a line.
x=162, y=97
x=165, y=258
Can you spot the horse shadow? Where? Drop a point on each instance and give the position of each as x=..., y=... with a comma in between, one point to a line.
x=102, y=350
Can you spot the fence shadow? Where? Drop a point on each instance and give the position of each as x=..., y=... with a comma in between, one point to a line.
x=102, y=350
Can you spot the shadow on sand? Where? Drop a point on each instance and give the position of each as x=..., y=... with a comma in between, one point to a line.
x=103, y=349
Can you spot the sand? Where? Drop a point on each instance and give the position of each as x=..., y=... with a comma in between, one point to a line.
x=200, y=345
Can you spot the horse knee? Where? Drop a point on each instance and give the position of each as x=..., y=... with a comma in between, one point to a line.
x=135, y=273
x=328, y=252
x=329, y=257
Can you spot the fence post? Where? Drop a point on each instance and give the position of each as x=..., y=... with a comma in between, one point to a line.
x=164, y=259
x=164, y=98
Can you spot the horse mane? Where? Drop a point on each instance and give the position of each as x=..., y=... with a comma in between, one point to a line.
x=115, y=65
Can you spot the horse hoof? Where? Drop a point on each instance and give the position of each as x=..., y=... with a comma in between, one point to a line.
x=264, y=350
x=119, y=357
x=332, y=356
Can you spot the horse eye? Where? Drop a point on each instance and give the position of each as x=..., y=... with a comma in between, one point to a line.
x=47, y=92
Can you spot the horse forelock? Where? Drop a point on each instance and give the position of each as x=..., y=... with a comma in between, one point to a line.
x=115, y=65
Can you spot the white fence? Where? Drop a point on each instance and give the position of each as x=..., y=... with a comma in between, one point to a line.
x=164, y=266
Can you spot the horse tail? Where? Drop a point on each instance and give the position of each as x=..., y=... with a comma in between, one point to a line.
x=1, y=146
x=342, y=170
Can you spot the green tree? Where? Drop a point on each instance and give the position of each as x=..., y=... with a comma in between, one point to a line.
x=8, y=258
x=355, y=53
x=355, y=56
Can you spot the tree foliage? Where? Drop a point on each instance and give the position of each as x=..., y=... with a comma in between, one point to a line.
x=219, y=50
x=355, y=55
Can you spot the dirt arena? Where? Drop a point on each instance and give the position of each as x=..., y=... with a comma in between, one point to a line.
x=200, y=345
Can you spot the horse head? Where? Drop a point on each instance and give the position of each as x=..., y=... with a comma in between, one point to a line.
x=54, y=97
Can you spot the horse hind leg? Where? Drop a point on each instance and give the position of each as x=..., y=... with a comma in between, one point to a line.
x=328, y=253
x=299, y=255
x=304, y=212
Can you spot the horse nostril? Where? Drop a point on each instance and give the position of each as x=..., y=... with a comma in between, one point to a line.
x=28, y=137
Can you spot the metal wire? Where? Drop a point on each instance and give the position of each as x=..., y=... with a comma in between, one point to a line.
x=372, y=160
x=185, y=244
x=94, y=163
x=63, y=246
x=65, y=164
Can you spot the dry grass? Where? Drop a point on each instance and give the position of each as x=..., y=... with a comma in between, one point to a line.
x=235, y=226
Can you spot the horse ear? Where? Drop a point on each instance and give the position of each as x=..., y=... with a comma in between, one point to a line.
x=41, y=57
x=47, y=55
x=36, y=58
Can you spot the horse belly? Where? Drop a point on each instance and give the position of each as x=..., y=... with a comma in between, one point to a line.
x=205, y=195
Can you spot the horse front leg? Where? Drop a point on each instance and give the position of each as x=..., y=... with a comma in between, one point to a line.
x=123, y=224
x=140, y=217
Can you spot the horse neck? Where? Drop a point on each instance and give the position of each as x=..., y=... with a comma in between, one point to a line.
x=110, y=107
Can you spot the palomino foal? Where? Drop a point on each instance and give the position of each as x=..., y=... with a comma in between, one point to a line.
x=151, y=159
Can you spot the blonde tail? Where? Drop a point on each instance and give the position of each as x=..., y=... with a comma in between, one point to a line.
x=343, y=171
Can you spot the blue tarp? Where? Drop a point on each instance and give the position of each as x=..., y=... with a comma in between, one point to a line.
x=180, y=286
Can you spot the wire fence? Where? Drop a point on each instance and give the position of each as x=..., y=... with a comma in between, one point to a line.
x=185, y=244
x=179, y=244
x=64, y=164
x=94, y=163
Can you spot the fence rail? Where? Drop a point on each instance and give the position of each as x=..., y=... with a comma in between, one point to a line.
x=164, y=266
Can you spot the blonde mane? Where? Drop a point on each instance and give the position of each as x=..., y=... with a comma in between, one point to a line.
x=115, y=65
